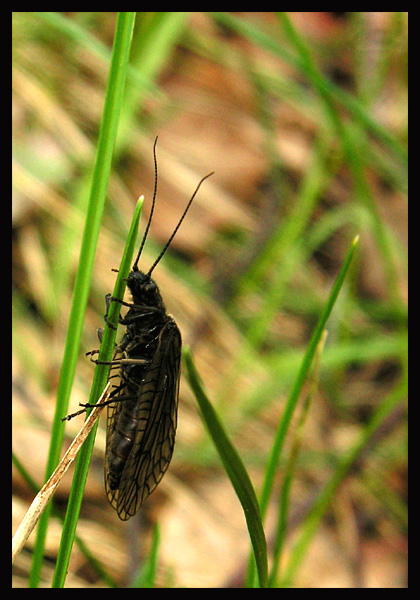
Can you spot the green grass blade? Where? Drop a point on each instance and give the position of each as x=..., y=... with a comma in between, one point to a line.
x=290, y=468
x=99, y=184
x=99, y=382
x=235, y=470
x=300, y=380
x=284, y=424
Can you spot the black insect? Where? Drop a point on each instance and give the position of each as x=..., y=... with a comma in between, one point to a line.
x=142, y=410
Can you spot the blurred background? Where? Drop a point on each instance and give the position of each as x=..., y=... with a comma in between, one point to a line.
x=303, y=118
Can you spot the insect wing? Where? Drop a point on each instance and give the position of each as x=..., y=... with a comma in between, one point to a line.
x=155, y=437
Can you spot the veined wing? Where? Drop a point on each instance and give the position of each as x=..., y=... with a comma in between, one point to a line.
x=155, y=437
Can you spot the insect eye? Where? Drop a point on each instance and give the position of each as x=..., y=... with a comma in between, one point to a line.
x=150, y=288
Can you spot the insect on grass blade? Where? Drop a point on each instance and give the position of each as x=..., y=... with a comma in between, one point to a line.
x=142, y=409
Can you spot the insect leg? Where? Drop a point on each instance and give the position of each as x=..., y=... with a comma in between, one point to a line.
x=108, y=300
x=132, y=318
x=88, y=405
x=119, y=361
x=123, y=361
x=144, y=311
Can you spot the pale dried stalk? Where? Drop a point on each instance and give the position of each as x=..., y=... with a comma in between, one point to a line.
x=44, y=495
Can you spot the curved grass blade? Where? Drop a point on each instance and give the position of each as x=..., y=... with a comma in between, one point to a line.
x=305, y=367
x=290, y=467
x=235, y=470
x=300, y=380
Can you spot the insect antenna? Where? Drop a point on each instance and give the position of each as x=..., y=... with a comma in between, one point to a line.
x=178, y=226
x=135, y=267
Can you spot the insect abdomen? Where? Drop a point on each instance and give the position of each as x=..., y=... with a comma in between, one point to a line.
x=128, y=424
x=147, y=412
